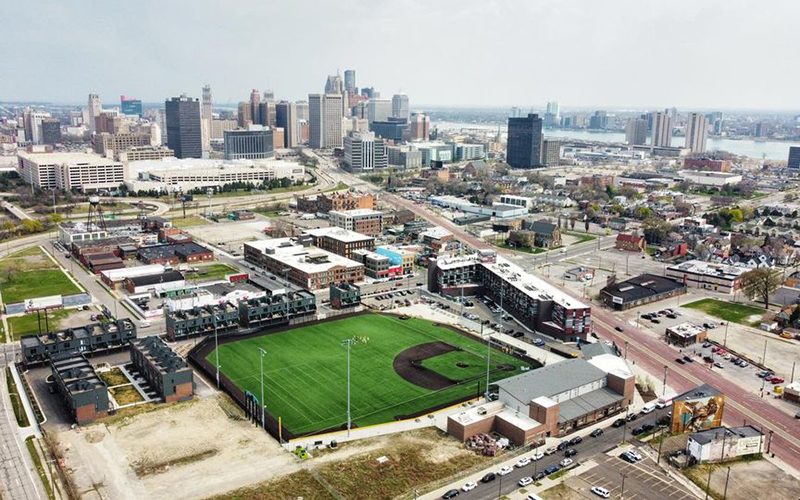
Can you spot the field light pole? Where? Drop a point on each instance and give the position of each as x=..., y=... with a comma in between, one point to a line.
x=488, y=356
x=348, y=343
x=261, y=359
x=216, y=346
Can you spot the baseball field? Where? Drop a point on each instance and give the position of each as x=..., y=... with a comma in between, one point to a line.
x=398, y=367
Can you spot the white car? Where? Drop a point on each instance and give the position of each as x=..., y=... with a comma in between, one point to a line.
x=505, y=470
x=522, y=462
x=525, y=481
x=601, y=492
x=469, y=486
x=537, y=456
x=566, y=462
x=144, y=324
x=635, y=454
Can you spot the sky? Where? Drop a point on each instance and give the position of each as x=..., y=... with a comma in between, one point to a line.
x=612, y=54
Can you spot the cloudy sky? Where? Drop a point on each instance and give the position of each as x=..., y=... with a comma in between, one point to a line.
x=724, y=54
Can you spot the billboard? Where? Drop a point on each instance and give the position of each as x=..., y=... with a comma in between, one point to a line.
x=696, y=414
x=42, y=303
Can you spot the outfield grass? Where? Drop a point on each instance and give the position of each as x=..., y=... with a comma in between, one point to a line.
x=448, y=363
x=305, y=370
x=26, y=325
x=729, y=311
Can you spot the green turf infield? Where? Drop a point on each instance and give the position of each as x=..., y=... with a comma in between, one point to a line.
x=305, y=370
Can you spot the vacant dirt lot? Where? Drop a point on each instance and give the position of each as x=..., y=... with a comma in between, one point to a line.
x=188, y=450
x=754, y=479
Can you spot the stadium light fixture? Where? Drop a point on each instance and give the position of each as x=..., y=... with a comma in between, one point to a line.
x=261, y=359
x=347, y=343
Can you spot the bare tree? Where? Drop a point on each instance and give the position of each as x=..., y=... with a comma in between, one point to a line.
x=760, y=283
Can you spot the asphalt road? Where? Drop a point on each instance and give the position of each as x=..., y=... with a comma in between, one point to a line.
x=590, y=446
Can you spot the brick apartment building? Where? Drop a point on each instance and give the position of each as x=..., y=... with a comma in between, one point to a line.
x=164, y=370
x=362, y=220
x=630, y=243
x=84, y=393
x=341, y=241
x=325, y=203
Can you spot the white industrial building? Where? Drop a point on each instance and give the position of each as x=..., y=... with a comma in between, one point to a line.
x=710, y=179
x=174, y=174
x=70, y=171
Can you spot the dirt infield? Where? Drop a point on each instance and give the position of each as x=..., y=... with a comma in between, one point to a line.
x=408, y=364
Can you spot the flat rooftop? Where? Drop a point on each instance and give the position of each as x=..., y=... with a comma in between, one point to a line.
x=531, y=285
x=686, y=330
x=336, y=233
x=709, y=269
x=68, y=158
x=308, y=259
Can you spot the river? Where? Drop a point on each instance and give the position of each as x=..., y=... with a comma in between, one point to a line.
x=772, y=150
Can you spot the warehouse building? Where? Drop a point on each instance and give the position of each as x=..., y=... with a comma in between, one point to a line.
x=115, y=278
x=550, y=401
x=85, y=394
x=173, y=254
x=156, y=284
x=722, y=444
x=94, y=337
x=708, y=276
x=306, y=266
x=163, y=369
x=640, y=290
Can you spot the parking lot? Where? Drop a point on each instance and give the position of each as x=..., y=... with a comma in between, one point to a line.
x=643, y=480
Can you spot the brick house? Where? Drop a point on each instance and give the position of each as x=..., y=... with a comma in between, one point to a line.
x=630, y=243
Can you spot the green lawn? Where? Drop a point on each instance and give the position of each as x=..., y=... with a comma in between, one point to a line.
x=24, y=326
x=189, y=221
x=38, y=283
x=213, y=272
x=502, y=244
x=729, y=311
x=339, y=187
x=583, y=236
x=305, y=371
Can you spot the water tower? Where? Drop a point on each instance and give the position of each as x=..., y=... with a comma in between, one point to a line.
x=95, y=214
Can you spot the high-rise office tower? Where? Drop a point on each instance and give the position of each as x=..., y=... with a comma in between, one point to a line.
x=251, y=144
x=184, y=134
x=128, y=106
x=551, y=118
x=661, y=130
x=379, y=110
x=266, y=113
x=350, y=80
x=515, y=112
x=636, y=131
x=400, y=106
x=715, y=121
x=334, y=85
x=524, y=141
x=245, y=115
x=696, y=132
x=32, y=123
x=255, y=100
x=206, y=114
x=325, y=120
x=364, y=151
x=419, y=127
x=286, y=118
x=269, y=96
x=94, y=108
x=369, y=92
x=599, y=120
x=794, y=157
x=51, y=131
x=302, y=110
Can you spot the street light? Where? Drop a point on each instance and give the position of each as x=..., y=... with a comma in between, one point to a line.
x=622, y=492
x=261, y=359
x=348, y=343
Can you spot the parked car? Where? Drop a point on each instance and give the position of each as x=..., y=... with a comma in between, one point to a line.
x=637, y=430
x=635, y=454
x=628, y=458
x=601, y=492
x=663, y=420
x=540, y=475
x=537, y=456
x=706, y=344
x=718, y=364
x=562, y=445
x=505, y=470
x=570, y=452
x=525, y=481
x=618, y=422
x=575, y=440
x=680, y=361
x=488, y=478
x=597, y=432
x=550, y=451
x=617, y=328
x=566, y=462
x=688, y=359
x=552, y=469
x=656, y=321
x=632, y=416
x=648, y=427
x=522, y=462
x=538, y=343
x=451, y=494
x=469, y=486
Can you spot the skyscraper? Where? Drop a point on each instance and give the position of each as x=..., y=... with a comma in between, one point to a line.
x=599, y=120
x=661, y=130
x=379, y=110
x=184, y=134
x=206, y=114
x=253, y=143
x=515, y=112
x=286, y=117
x=325, y=121
x=794, y=157
x=636, y=131
x=334, y=85
x=350, y=80
x=51, y=131
x=130, y=106
x=364, y=151
x=420, y=127
x=266, y=113
x=524, y=141
x=255, y=99
x=551, y=115
x=696, y=132
x=400, y=106
x=245, y=116
x=94, y=110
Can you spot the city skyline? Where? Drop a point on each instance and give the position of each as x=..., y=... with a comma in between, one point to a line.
x=697, y=46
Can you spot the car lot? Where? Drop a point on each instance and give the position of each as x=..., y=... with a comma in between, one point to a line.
x=584, y=449
x=643, y=480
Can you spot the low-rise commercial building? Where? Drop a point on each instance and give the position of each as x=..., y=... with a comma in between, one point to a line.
x=685, y=334
x=640, y=290
x=164, y=370
x=720, y=278
x=377, y=266
x=361, y=220
x=94, y=337
x=173, y=254
x=398, y=257
x=710, y=179
x=84, y=393
x=115, y=278
x=341, y=241
x=156, y=284
x=722, y=444
x=306, y=266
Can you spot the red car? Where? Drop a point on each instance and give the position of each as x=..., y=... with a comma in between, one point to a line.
x=776, y=380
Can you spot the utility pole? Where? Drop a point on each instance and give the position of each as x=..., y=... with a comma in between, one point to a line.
x=622, y=492
x=664, y=389
x=764, y=357
x=727, y=476
x=708, y=483
x=791, y=379
x=261, y=359
x=347, y=343
x=725, y=340
x=626, y=351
